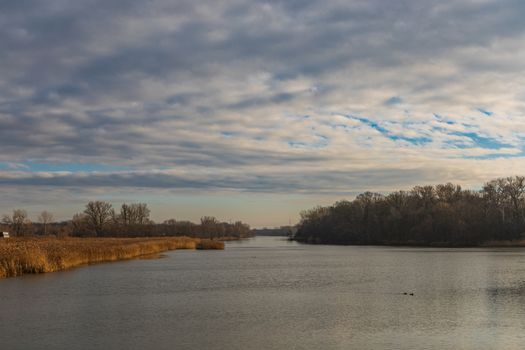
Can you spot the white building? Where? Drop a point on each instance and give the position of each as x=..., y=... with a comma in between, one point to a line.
x=5, y=235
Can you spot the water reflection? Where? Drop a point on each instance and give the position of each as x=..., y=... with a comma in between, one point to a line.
x=268, y=293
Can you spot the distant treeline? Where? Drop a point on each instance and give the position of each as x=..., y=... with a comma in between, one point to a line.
x=278, y=231
x=100, y=219
x=426, y=215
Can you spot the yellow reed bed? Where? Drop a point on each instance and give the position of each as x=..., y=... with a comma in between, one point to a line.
x=19, y=256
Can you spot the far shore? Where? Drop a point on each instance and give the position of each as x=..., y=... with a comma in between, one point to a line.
x=489, y=244
x=510, y=244
x=32, y=255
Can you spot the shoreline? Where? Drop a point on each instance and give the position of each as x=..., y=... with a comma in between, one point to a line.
x=489, y=244
x=35, y=255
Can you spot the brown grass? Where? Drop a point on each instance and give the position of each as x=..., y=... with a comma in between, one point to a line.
x=19, y=256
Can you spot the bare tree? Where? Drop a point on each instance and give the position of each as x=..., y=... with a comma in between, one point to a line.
x=79, y=224
x=134, y=214
x=18, y=222
x=171, y=222
x=98, y=215
x=141, y=212
x=125, y=214
x=209, y=225
x=425, y=194
x=45, y=218
x=514, y=189
x=448, y=192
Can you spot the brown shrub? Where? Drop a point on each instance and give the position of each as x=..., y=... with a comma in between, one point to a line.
x=210, y=244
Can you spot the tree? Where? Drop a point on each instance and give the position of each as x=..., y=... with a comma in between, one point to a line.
x=514, y=189
x=448, y=192
x=494, y=199
x=98, y=215
x=79, y=224
x=209, y=226
x=45, y=218
x=425, y=194
x=444, y=215
x=170, y=222
x=125, y=214
x=19, y=223
x=134, y=214
x=503, y=202
x=141, y=213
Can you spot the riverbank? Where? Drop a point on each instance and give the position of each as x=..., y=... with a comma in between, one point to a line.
x=488, y=244
x=19, y=256
x=501, y=244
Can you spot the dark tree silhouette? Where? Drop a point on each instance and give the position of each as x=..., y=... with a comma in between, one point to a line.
x=427, y=215
x=98, y=215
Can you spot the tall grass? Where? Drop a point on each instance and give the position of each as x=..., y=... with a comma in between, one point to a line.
x=19, y=256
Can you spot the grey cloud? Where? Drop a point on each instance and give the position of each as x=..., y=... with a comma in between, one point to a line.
x=153, y=84
x=257, y=101
x=312, y=182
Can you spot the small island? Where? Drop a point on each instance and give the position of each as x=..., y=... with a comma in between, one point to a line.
x=444, y=215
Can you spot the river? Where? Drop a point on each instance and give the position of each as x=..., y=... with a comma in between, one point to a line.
x=268, y=293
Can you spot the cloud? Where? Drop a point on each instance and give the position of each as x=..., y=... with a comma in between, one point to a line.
x=252, y=96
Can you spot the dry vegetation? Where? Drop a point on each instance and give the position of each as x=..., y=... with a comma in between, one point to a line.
x=20, y=256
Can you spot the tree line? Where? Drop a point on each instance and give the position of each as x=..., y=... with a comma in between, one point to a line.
x=444, y=215
x=100, y=219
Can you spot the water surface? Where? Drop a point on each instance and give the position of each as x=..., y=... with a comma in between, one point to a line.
x=267, y=293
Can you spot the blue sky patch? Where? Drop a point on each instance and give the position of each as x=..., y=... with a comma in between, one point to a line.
x=443, y=120
x=296, y=144
x=228, y=134
x=479, y=141
x=485, y=112
x=392, y=101
x=413, y=140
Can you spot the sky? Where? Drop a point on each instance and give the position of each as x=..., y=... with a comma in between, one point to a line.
x=254, y=110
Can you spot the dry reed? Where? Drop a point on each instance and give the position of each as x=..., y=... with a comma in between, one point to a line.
x=19, y=256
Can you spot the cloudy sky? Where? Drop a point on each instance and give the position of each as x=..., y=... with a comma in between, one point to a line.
x=254, y=110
